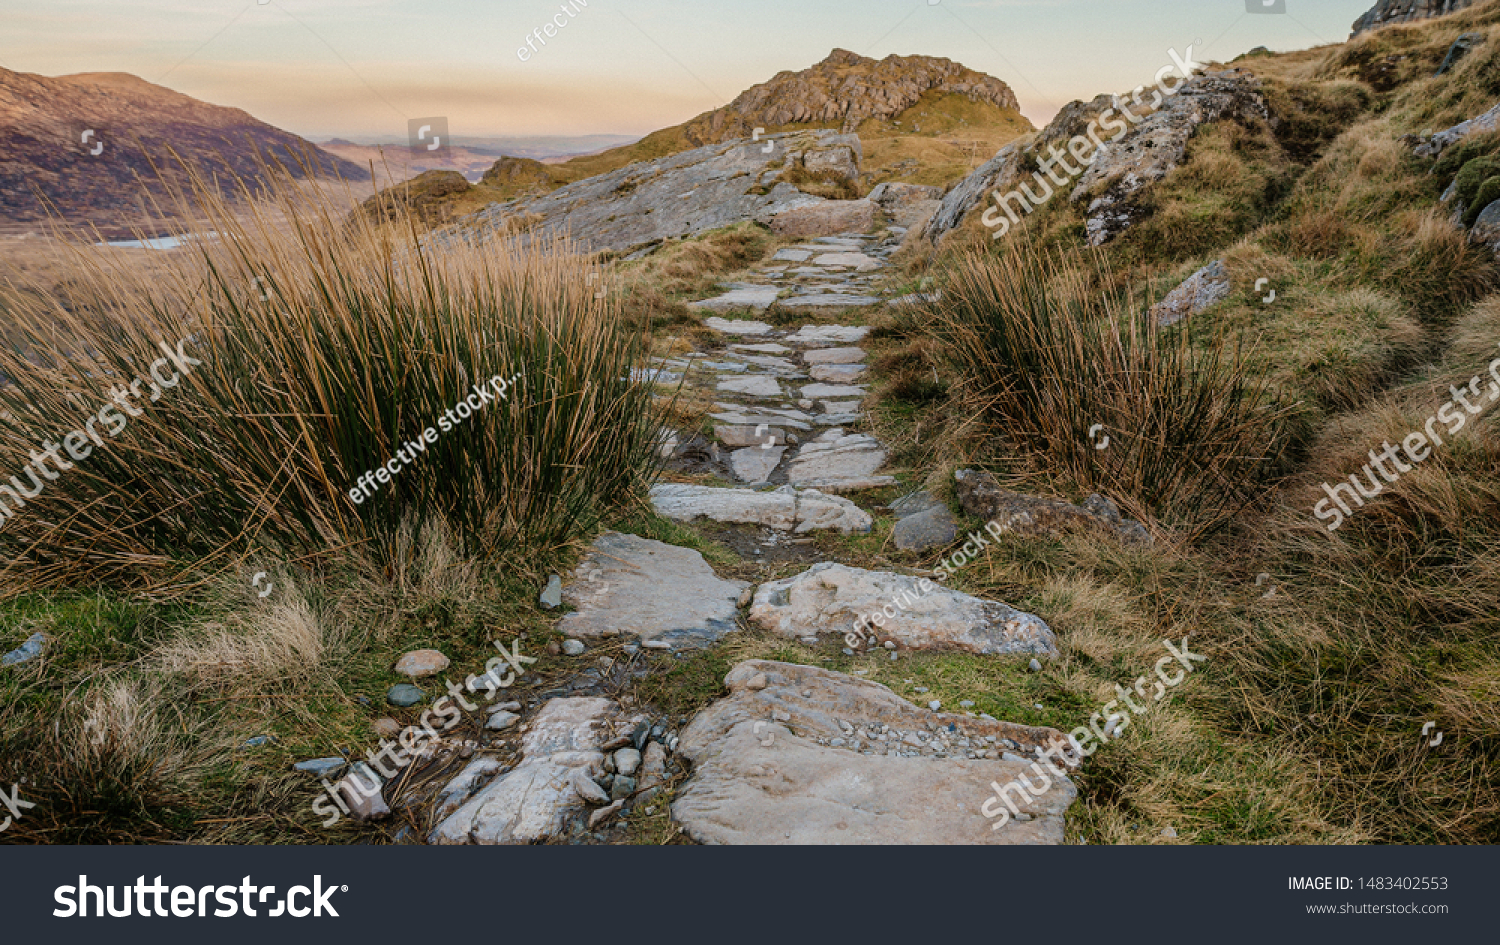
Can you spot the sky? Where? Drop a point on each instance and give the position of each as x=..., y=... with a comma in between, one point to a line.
x=322, y=68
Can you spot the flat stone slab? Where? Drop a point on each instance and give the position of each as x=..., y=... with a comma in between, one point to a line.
x=758, y=298
x=793, y=255
x=739, y=436
x=1196, y=293
x=738, y=326
x=857, y=261
x=835, y=457
x=756, y=385
x=801, y=755
x=918, y=613
x=829, y=300
x=828, y=334
x=779, y=365
x=762, y=349
x=752, y=418
x=834, y=373
x=631, y=586
x=754, y=464
x=835, y=356
x=931, y=528
x=563, y=745
x=785, y=509
x=815, y=391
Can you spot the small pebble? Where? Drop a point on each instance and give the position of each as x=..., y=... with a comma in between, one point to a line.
x=1169, y=833
x=500, y=721
x=967, y=703
x=573, y=647
x=934, y=705
x=847, y=652
x=627, y=761
x=890, y=644
x=893, y=656
x=552, y=594
x=259, y=740
x=404, y=695
x=322, y=767
x=1036, y=666
x=386, y=728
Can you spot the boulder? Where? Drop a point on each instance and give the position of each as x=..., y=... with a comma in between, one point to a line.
x=916, y=613
x=680, y=195
x=1438, y=143
x=639, y=587
x=766, y=769
x=1196, y=293
x=1486, y=230
x=1152, y=149
x=785, y=509
x=562, y=747
x=1388, y=12
x=981, y=496
x=923, y=524
x=824, y=219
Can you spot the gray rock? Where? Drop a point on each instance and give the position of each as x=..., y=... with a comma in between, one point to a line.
x=857, y=261
x=1457, y=51
x=828, y=334
x=500, y=721
x=457, y=791
x=824, y=218
x=1388, y=12
x=26, y=652
x=604, y=813
x=1434, y=146
x=836, y=456
x=795, y=790
x=573, y=647
x=817, y=391
x=1196, y=293
x=756, y=385
x=933, y=528
x=829, y=598
x=560, y=755
x=361, y=791
x=651, y=590
x=690, y=192
x=420, y=663
x=404, y=695
x=622, y=788
x=981, y=496
x=754, y=464
x=552, y=594
x=320, y=767
x=785, y=509
x=791, y=254
x=1034, y=666
x=830, y=300
x=758, y=298
x=1486, y=229
x=738, y=326
x=742, y=436
x=835, y=356
x=1152, y=149
x=837, y=373
x=628, y=761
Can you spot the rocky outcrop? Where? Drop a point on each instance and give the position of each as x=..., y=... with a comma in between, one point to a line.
x=639, y=587
x=915, y=613
x=1486, y=229
x=844, y=90
x=828, y=218
x=1152, y=149
x=981, y=496
x=908, y=205
x=680, y=195
x=800, y=755
x=1196, y=293
x=1438, y=143
x=562, y=755
x=423, y=196
x=1389, y=12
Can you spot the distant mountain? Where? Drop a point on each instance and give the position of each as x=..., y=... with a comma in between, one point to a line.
x=78, y=145
x=1387, y=12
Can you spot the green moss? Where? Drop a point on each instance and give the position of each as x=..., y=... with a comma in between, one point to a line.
x=1488, y=193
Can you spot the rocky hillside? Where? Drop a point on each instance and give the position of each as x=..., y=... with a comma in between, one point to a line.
x=844, y=90
x=1387, y=12
x=922, y=119
x=77, y=144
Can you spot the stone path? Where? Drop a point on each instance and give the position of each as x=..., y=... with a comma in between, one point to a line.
x=795, y=754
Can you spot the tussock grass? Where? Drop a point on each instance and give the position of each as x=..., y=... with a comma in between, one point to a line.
x=325, y=347
x=1193, y=434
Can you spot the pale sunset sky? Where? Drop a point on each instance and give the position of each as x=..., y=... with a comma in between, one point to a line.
x=363, y=67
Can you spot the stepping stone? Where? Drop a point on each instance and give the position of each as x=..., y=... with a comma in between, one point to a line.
x=756, y=385
x=762, y=349
x=754, y=464
x=738, y=327
x=764, y=782
x=857, y=261
x=756, y=297
x=738, y=418
x=563, y=746
x=829, y=301
x=654, y=376
x=835, y=356
x=834, y=373
x=929, y=528
x=775, y=364
x=916, y=613
x=788, y=413
x=843, y=420
x=793, y=255
x=729, y=367
x=829, y=334
x=815, y=391
x=834, y=457
x=842, y=406
x=638, y=587
x=738, y=436
x=784, y=509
